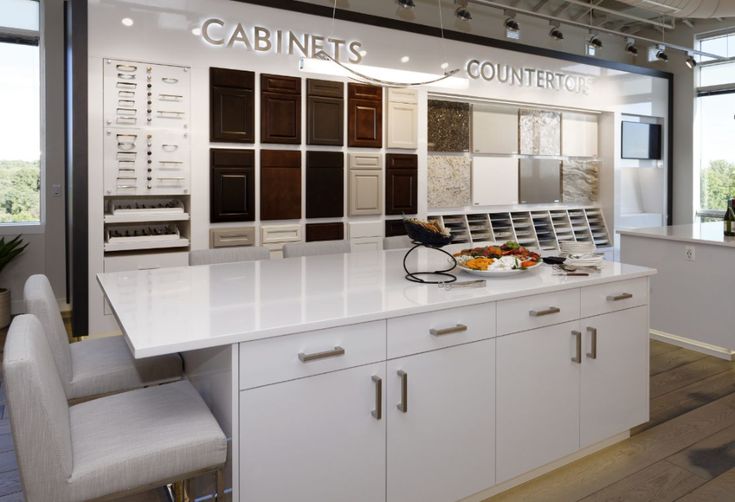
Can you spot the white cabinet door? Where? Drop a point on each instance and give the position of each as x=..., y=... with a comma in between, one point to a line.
x=578, y=135
x=494, y=181
x=366, y=191
x=441, y=447
x=314, y=439
x=494, y=130
x=614, y=374
x=402, y=125
x=538, y=398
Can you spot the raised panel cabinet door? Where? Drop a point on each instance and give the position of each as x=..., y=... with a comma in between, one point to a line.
x=441, y=430
x=324, y=184
x=537, y=398
x=366, y=190
x=280, y=185
x=324, y=112
x=232, y=185
x=402, y=125
x=280, y=109
x=319, y=438
x=365, y=116
x=614, y=374
x=325, y=231
x=401, y=187
x=231, y=105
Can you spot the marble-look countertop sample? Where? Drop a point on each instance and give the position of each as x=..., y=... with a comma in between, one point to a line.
x=580, y=181
x=540, y=132
x=449, y=181
x=448, y=126
x=698, y=233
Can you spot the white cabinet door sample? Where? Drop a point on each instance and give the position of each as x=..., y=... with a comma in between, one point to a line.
x=614, y=396
x=578, y=135
x=402, y=125
x=442, y=447
x=494, y=181
x=366, y=191
x=314, y=439
x=538, y=398
x=494, y=130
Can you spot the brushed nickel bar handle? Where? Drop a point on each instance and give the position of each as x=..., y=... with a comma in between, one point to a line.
x=592, y=354
x=448, y=331
x=337, y=351
x=578, y=352
x=547, y=311
x=403, y=405
x=377, y=413
x=621, y=296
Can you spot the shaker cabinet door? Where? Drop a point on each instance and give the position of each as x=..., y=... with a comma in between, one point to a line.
x=231, y=105
x=324, y=184
x=232, y=185
x=401, y=191
x=280, y=109
x=366, y=189
x=280, y=185
x=324, y=112
x=402, y=125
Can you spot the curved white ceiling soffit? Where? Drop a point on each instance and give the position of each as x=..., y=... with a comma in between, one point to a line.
x=696, y=9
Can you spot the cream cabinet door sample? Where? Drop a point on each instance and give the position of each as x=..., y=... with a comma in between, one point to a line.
x=402, y=130
x=578, y=135
x=494, y=181
x=365, y=184
x=494, y=130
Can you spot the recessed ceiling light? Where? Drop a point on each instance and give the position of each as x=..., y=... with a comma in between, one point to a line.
x=405, y=59
x=444, y=66
x=196, y=32
x=126, y=21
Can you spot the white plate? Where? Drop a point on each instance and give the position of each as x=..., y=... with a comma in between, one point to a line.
x=498, y=273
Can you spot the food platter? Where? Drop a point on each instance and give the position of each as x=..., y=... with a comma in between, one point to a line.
x=498, y=261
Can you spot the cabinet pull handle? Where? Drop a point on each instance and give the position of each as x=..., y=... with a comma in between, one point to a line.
x=377, y=413
x=592, y=354
x=337, y=351
x=621, y=296
x=447, y=331
x=543, y=312
x=403, y=405
x=578, y=352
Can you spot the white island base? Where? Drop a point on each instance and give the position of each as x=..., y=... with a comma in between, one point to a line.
x=338, y=380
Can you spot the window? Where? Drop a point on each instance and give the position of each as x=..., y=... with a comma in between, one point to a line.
x=715, y=126
x=20, y=121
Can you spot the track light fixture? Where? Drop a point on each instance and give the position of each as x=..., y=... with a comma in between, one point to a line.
x=630, y=46
x=662, y=56
x=593, y=44
x=463, y=10
x=555, y=32
x=512, y=28
x=406, y=4
x=690, y=61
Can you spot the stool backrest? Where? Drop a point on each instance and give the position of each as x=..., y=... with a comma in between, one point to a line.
x=228, y=255
x=41, y=302
x=39, y=413
x=294, y=249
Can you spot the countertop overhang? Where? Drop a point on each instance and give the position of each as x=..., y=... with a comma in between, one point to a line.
x=697, y=233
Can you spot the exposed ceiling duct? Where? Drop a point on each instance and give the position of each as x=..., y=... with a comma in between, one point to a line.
x=699, y=9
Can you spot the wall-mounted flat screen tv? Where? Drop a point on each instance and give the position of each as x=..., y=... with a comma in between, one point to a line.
x=641, y=141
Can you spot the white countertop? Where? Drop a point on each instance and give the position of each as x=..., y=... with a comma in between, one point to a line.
x=698, y=233
x=185, y=308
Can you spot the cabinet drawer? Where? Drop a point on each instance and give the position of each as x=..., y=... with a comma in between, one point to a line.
x=538, y=310
x=295, y=356
x=614, y=296
x=126, y=263
x=444, y=328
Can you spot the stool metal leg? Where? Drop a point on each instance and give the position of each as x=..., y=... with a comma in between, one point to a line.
x=220, y=485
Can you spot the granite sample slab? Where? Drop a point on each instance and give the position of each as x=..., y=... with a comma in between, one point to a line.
x=449, y=126
x=540, y=132
x=449, y=181
x=580, y=180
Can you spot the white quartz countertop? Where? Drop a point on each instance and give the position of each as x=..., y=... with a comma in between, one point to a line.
x=698, y=233
x=177, y=309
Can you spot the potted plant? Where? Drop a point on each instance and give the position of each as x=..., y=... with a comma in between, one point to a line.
x=8, y=252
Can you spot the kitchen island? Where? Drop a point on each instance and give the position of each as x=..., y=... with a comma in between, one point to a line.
x=692, y=302
x=336, y=379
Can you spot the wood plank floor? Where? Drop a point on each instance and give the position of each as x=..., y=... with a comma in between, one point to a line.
x=686, y=451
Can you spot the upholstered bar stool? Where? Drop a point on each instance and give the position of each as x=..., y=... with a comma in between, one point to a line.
x=397, y=242
x=228, y=255
x=93, y=367
x=108, y=447
x=295, y=249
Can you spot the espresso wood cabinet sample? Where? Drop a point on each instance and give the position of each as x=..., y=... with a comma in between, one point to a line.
x=231, y=105
x=232, y=185
x=280, y=109
x=280, y=185
x=365, y=184
x=401, y=184
x=365, y=115
x=402, y=120
x=325, y=231
x=324, y=112
x=394, y=228
x=324, y=184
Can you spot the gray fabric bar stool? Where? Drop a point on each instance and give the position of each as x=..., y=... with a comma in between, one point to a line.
x=397, y=242
x=93, y=367
x=295, y=249
x=112, y=446
x=228, y=255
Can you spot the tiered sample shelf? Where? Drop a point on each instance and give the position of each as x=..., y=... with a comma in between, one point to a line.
x=598, y=229
x=523, y=226
x=145, y=223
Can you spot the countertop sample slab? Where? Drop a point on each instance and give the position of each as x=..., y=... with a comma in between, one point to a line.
x=178, y=309
x=698, y=233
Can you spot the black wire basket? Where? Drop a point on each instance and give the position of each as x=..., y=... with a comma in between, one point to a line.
x=418, y=233
x=431, y=239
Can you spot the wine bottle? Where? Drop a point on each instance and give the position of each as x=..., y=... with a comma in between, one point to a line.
x=729, y=220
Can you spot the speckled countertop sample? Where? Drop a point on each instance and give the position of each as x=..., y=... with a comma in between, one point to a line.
x=449, y=126
x=540, y=132
x=450, y=181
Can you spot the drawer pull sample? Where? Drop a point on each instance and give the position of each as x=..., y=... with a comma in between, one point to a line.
x=447, y=331
x=543, y=312
x=377, y=413
x=403, y=405
x=127, y=67
x=337, y=351
x=578, y=352
x=621, y=296
x=592, y=354
x=170, y=80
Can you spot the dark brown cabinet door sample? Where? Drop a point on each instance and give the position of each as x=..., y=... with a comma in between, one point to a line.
x=365, y=116
x=325, y=232
x=394, y=228
x=232, y=185
x=280, y=185
x=401, y=184
x=324, y=184
x=231, y=105
x=324, y=112
x=280, y=109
